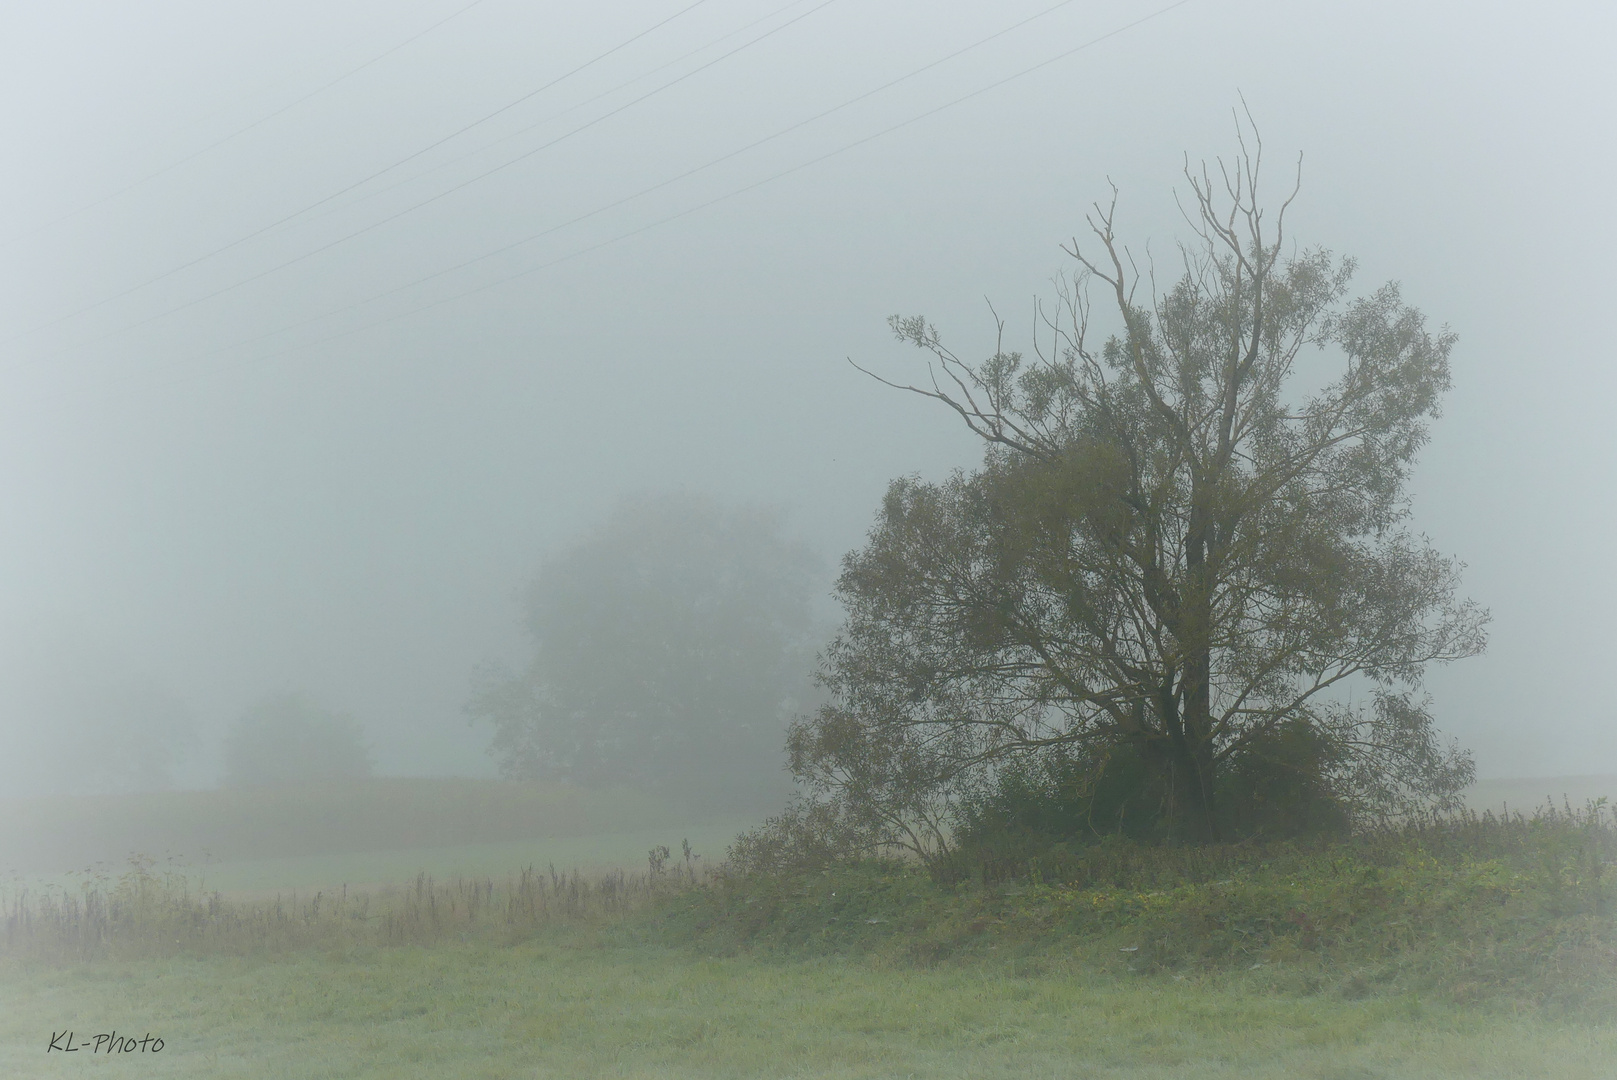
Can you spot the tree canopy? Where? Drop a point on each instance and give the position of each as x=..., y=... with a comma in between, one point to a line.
x=672, y=642
x=1181, y=551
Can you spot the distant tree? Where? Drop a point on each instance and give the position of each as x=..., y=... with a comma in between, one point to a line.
x=1173, y=558
x=671, y=643
x=287, y=740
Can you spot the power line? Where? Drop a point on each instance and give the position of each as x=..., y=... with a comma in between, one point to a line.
x=359, y=183
x=712, y=163
x=262, y=120
x=803, y=165
x=466, y=183
x=674, y=179
x=642, y=192
x=569, y=109
x=917, y=118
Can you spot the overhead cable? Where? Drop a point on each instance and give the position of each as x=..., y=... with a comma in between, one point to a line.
x=703, y=205
x=513, y=245
x=357, y=184
x=517, y=134
x=619, y=238
x=465, y=183
x=668, y=219
x=262, y=120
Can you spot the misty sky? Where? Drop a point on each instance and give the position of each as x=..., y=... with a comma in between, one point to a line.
x=243, y=451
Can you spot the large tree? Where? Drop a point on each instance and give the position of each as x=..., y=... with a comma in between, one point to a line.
x=1176, y=549
x=672, y=643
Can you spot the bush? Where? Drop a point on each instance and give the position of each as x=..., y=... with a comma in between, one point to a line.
x=1280, y=785
x=1277, y=786
x=807, y=835
x=1468, y=907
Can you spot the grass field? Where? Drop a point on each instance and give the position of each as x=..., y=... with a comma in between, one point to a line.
x=354, y=818
x=584, y=1008
x=1482, y=953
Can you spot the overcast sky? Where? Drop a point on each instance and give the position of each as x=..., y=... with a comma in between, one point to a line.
x=265, y=425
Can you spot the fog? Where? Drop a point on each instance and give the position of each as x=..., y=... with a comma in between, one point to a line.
x=253, y=442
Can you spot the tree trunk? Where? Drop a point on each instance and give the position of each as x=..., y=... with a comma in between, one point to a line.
x=1193, y=765
x=1191, y=812
x=1185, y=771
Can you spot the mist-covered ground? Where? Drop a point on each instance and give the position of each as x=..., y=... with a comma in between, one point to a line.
x=551, y=1010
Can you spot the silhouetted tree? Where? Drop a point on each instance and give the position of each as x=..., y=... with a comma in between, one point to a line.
x=672, y=643
x=1172, y=553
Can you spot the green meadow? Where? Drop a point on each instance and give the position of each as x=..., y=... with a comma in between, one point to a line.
x=1482, y=950
x=580, y=1008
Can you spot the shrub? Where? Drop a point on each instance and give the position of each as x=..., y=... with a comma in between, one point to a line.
x=807, y=835
x=1276, y=786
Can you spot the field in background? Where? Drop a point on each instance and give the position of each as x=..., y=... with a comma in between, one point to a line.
x=1527, y=795
x=369, y=831
x=589, y=854
x=401, y=814
x=388, y=830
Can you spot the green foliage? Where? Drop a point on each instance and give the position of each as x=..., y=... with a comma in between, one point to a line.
x=1466, y=909
x=1278, y=785
x=806, y=835
x=1474, y=907
x=286, y=739
x=671, y=645
x=1282, y=783
x=1172, y=559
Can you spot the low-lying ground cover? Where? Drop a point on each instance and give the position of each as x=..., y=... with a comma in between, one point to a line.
x=570, y=1005
x=1470, y=947
x=1471, y=908
x=146, y=913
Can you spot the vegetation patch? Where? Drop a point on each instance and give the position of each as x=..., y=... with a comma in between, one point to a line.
x=1468, y=907
x=1495, y=911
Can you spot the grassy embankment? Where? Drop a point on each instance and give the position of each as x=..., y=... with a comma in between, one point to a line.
x=1467, y=950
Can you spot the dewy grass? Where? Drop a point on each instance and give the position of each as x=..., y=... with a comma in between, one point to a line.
x=557, y=1007
x=1472, y=948
x=1468, y=909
